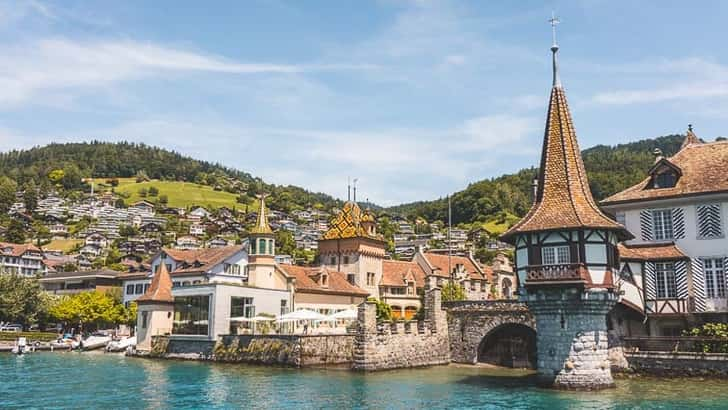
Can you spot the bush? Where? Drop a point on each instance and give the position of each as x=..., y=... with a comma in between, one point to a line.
x=31, y=336
x=452, y=292
x=384, y=311
x=713, y=330
x=153, y=191
x=143, y=192
x=163, y=199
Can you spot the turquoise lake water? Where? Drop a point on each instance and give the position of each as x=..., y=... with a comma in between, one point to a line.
x=87, y=381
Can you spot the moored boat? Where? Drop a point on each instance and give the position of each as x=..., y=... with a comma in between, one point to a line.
x=95, y=341
x=121, y=344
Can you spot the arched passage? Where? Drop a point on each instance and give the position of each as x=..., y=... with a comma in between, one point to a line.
x=509, y=345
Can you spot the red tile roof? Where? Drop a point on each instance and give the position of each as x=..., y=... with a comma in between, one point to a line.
x=160, y=291
x=703, y=168
x=201, y=260
x=18, y=249
x=563, y=199
x=307, y=281
x=397, y=273
x=440, y=262
x=651, y=252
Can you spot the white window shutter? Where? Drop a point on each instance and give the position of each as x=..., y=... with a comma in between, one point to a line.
x=646, y=224
x=681, y=279
x=709, y=221
x=678, y=223
x=696, y=269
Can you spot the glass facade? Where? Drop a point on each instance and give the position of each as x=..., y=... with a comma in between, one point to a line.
x=241, y=307
x=191, y=315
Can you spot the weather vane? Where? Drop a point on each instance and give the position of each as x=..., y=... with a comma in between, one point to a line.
x=554, y=21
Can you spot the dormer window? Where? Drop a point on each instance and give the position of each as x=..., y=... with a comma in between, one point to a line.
x=666, y=179
x=325, y=280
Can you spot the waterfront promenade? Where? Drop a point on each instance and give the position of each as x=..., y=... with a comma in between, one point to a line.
x=110, y=381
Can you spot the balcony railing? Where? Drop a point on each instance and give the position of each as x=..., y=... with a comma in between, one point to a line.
x=697, y=344
x=553, y=273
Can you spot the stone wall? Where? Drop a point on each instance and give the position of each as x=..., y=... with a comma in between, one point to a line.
x=470, y=321
x=287, y=350
x=679, y=364
x=180, y=347
x=394, y=345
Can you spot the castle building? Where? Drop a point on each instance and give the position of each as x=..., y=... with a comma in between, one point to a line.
x=567, y=258
x=676, y=264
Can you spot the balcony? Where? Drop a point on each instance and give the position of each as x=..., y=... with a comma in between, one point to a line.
x=555, y=273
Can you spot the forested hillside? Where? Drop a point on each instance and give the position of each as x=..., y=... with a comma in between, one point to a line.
x=610, y=169
x=66, y=165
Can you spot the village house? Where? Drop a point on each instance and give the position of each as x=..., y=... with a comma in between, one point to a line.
x=69, y=283
x=96, y=239
x=197, y=229
x=144, y=207
x=21, y=259
x=676, y=264
x=187, y=242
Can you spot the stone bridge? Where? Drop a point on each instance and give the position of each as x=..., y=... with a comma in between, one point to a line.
x=501, y=332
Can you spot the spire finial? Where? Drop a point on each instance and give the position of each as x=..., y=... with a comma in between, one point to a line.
x=554, y=49
x=690, y=127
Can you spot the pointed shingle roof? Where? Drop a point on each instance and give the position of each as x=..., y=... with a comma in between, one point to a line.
x=563, y=199
x=261, y=224
x=160, y=291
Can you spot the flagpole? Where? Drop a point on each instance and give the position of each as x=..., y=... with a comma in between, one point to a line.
x=449, y=243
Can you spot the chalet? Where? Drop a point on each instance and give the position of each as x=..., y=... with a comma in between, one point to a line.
x=217, y=242
x=198, y=214
x=90, y=251
x=21, y=259
x=187, y=242
x=197, y=229
x=143, y=206
x=58, y=229
x=151, y=228
x=677, y=260
x=96, y=239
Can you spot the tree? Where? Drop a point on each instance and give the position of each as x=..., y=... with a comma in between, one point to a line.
x=384, y=311
x=56, y=176
x=143, y=192
x=90, y=310
x=452, y=292
x=163, y=199
x=126, y=231
x=15, y=232
x=284, y=242
x=21, y=299
x=30, y=196
x=153, y=191
x=119, y=203
x=7, y=193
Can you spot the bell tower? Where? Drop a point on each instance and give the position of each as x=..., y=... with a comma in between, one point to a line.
x=566, y=258
x=261, y=250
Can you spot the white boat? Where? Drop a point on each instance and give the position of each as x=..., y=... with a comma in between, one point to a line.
x=65, y=343
x=21, y=346
x=121, y=345
x=95, y=342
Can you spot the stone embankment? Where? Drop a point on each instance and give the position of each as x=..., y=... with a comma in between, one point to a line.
x=679, y=364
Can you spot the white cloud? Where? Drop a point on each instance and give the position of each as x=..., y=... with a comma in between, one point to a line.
x=54, y=64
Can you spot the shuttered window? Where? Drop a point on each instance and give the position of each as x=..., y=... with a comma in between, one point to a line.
x=709, y=221
x=665, y=280
x=662, y=224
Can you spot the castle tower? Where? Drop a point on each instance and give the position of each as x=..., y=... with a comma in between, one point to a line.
x=155, y=309
x=261, y=254
x=566, y=259
x=353, y=247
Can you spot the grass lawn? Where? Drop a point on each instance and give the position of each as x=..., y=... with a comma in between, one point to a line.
x=497, y=227
x=64, y=245
x=180, y=194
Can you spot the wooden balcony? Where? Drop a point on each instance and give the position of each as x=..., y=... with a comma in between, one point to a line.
x=573, y=272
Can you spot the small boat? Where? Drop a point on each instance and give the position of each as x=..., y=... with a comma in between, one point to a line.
x=21, y=347
x=121, y=345
x=66, y=342
x=95, y=341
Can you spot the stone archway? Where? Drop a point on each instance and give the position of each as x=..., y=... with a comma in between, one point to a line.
x=509, y=345
x=469, y=322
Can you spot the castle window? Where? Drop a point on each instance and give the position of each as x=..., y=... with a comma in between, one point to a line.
x=351, y=278
x=371, y=279
x=714, y=278
x=346, y=260
x=555, y=255
x=333, y=261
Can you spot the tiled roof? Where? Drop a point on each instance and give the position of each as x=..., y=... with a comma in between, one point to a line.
x=563, y=199
x=261, y=223
x=397, y=273
x=703, y=167
x=18, y=249
x=347, y=223
x=201, y=260
x=160, y=289
x=440, y=262
x=651, y=252
x=306, y=281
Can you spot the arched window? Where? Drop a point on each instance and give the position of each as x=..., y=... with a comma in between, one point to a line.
x=261, y=246
x=252, y=246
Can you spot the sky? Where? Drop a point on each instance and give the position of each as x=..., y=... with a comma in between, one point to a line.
x=416, y=99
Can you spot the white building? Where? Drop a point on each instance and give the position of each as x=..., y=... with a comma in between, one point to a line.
x=679, y=255
x=22, y=259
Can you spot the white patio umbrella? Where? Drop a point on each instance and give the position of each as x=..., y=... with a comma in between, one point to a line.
x=241, y=319
x=260, y=318
x=348, y=314
x=303, y=314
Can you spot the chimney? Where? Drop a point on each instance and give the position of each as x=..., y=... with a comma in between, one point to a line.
x=658, y=154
